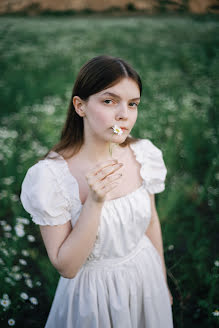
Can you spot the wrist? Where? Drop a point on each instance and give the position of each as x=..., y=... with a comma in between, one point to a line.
x=93, y=202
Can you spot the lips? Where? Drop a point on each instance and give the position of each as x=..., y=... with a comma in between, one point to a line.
x=123, y=128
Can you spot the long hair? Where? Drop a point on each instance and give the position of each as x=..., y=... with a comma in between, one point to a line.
x=98, y=74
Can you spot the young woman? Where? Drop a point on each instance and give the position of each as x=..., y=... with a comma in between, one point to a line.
x=96, y=208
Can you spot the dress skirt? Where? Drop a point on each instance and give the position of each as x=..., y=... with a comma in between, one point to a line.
x=127, y=292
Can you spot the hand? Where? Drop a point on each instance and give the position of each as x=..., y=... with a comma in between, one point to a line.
x=102, y=179
x=171, y=297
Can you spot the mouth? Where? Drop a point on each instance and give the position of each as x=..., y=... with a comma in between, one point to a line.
x=119, y=130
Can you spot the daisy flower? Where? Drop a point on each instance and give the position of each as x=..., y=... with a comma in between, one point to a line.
x=33, y=300
x=29, y=283
x=11, y=322
x=5, y=302
x=23, y=262
x=215, y=313
x=116, y=130
x=24, y=296
x=31, y=238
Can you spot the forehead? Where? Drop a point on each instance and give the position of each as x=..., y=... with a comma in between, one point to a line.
x=125, y=87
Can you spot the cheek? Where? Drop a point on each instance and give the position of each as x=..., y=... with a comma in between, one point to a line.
x=133, y=117
x=100, y=116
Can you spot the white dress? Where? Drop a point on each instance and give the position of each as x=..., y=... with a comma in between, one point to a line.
x=121, y=285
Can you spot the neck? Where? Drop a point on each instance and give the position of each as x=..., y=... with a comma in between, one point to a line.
x=97, y=152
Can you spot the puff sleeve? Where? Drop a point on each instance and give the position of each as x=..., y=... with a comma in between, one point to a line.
x=153, y=170
x=42, y=197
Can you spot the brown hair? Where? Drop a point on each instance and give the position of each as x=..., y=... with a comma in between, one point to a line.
x=98, y=74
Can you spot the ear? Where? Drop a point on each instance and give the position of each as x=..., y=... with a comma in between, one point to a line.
x=79, y=105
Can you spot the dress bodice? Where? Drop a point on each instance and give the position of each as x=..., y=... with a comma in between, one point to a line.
x=50, y=193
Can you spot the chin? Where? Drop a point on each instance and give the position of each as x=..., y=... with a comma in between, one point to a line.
x=121, y=139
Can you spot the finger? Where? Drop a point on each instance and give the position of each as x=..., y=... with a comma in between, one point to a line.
x=91, y=180
x=99, y=167
x=106, y=188
x=106, y=175
x=109, y=179
x=105, y=172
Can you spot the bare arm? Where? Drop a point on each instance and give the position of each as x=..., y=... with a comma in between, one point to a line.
x=155, y=234
x=69, y=248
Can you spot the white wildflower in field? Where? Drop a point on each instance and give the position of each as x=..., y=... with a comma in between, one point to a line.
x=15, y=268
x=14, y=198
x=24, y=296
x=38, y=283
x=26, y=155
x=19, y=229
x=9, y=281
x=3, y=222
x=5, y=296
x=13, y=251
x=49, y=109
x=22, y=220
x=1, y=261
x=168, y=132
x=3, y=194
x=26, y=275
x=5, y=133
x=22, y=261
x=5, y=302
x=11, y=322
x=7, y=227
x=17, y=276
x=215, y=313
x=31, y=238
x=29, y=283
x=5, y=252
x=25, y=252
x=216, y=263
x=33, y=300
x=38, y=148
x=8, y=180
x=170, y=247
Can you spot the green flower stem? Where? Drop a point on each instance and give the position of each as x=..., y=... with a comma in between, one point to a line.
x=111, y=145
x=110, y=148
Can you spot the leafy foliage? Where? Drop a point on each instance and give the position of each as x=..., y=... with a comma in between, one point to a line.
x=177, y=60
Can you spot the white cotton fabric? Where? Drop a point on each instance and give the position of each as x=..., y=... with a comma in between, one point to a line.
x=121, y=284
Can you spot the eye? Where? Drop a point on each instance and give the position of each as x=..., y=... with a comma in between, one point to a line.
x=134, y=103
x=107, y=101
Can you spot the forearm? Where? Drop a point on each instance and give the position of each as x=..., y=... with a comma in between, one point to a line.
x=78, y=245
x=155, y=235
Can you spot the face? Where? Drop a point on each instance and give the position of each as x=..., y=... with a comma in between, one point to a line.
x=117, y=105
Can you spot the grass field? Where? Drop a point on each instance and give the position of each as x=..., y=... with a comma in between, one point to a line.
x=177, y=58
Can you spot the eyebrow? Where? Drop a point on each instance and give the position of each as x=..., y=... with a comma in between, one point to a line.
x=117, y=96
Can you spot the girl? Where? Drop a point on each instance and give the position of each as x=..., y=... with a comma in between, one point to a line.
x=97, y=213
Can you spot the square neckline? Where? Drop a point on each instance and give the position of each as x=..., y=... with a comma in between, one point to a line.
x=113, y=199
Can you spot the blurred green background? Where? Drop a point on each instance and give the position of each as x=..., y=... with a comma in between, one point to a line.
x=177, y=59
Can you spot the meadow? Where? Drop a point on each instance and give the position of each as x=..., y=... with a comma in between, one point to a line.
x=177, y=59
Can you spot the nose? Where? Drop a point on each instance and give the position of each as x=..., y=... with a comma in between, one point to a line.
x=122, y=112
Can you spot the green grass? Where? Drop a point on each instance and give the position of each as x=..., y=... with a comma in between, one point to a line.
x=177, y=59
